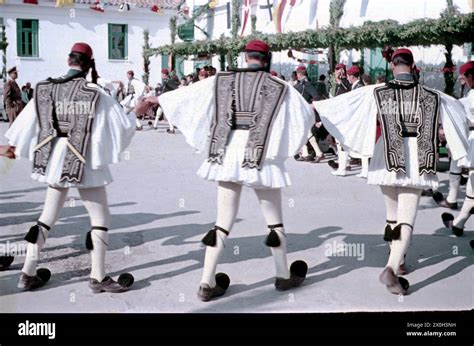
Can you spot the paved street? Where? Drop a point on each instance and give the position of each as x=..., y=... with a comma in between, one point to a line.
x=161, y=210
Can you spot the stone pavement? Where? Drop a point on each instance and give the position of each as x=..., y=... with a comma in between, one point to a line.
x=161, y=209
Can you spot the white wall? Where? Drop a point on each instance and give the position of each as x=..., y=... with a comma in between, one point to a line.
x=58, y=31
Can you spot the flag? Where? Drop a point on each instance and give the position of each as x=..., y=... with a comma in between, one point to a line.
x=246, y=14
x=268, y=6
x=278, y=14
x=363, y=8
x=61, y=3
x=313, y=11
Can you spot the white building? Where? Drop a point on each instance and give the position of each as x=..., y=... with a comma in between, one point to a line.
x=41, y=35
x=314, y=14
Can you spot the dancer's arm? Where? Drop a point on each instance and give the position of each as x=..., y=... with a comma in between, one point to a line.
x=352, y=119
x=455, y=123
x=23, y=133
x=112, y=132
x=191, y=109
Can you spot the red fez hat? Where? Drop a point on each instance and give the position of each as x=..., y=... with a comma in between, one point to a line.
x=257, y=46
x=338, y=66
x=273, y=73
x=165, y=71
x=353, y=70
x=466, y=67
x=300, y=68
x=402, y=51
x=81, y=47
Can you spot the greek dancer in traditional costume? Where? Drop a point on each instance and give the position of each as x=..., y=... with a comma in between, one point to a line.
x=309, y=93
x=342, y=86
x=9, y=153
x=249, y=122
x=404, y=158
x=72, y=130
x=466, y=73
x=135, y=91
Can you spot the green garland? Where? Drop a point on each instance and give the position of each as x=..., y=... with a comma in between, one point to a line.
x=455, y=29
x=146, y=57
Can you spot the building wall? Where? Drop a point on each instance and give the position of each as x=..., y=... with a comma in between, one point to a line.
x=59, y=28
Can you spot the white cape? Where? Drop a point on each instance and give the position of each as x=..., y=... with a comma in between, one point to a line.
x=352, y=119
x=191, y=109
x=112, y=132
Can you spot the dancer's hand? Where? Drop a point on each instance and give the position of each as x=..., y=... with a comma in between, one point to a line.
x=7, y=151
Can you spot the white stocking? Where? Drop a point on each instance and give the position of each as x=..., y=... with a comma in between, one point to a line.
x=228, y=197
x=454, y=181
x=53, y=205
x=408, y=200
x=468, y=204
x=95, y=201
x=159, y=112
x=270, y=202
x=314, y=144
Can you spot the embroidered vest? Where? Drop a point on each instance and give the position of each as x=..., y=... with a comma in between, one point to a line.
x=245, y=100
x=406, y=109
x=64, y=109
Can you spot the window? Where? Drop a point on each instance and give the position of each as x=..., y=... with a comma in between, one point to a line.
x=27, y=37
x=118, y=37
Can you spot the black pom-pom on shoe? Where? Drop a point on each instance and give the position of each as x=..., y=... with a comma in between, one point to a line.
x=222, y=280
x=404, y=282
x=438, y=197
x=448, y=219
x=44, y=274
x=5, y=262
x=126, y=280
x=299, y=268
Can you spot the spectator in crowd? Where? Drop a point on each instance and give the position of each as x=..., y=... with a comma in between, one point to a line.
x=380, y=79
x=366, y=79
x=321, y=88
x=24, y=95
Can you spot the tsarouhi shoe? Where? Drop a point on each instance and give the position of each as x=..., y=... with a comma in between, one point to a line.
x=298, y=270
x=27, y=282
x=5, y=262
x=442, y=202
x=206, y=292
x=395, y=284
x=107, y=285
x=448, y=222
